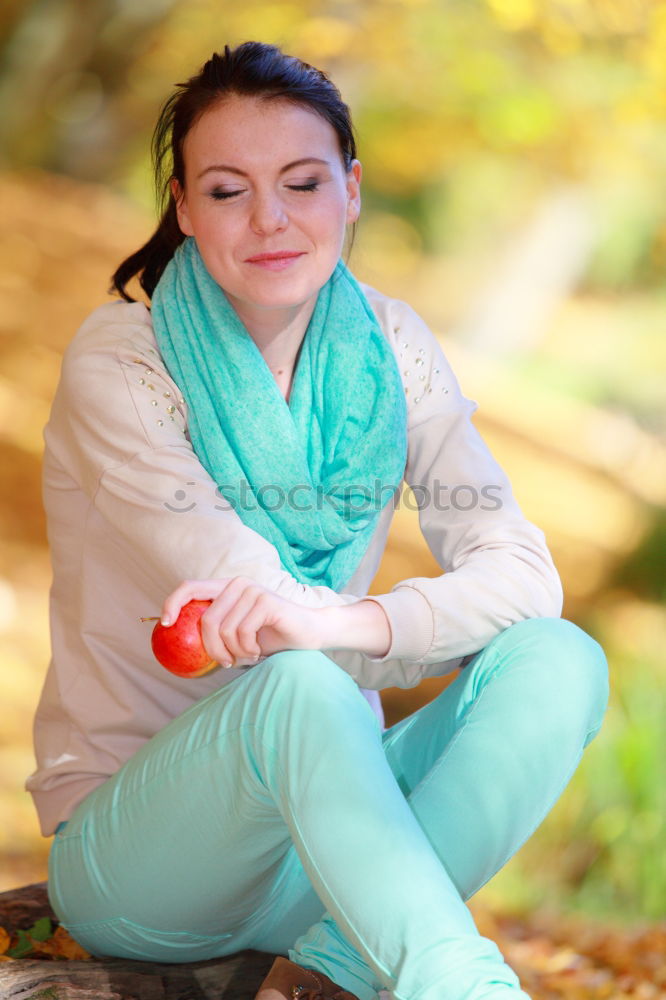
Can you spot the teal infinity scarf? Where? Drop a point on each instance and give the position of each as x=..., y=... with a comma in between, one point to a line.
x=310, y=476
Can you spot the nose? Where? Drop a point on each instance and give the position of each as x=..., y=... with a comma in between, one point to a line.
x=268, y=214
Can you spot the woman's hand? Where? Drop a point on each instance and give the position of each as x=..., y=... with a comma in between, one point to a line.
x=246, y=621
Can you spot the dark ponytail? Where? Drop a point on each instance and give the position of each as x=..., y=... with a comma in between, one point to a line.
x=253, y=69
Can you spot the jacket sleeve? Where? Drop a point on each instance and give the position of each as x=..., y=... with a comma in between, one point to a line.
x=497, y=567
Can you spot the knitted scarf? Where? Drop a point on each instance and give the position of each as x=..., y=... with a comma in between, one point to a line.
x=312, y=475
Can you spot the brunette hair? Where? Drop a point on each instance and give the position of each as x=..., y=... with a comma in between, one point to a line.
x=254, y=69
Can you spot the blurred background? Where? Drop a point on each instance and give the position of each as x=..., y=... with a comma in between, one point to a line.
x=514, y=158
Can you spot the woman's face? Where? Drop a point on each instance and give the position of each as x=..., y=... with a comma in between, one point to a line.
x=267, y=199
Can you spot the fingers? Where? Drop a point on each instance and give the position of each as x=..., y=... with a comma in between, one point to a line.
x=255, y=619
x=190, y=590
x=229, y=627
x=219, y=625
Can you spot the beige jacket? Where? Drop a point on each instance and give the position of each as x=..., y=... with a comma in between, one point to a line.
x=132, y=512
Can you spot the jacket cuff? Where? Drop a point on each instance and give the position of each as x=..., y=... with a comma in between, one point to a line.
x=411, y=620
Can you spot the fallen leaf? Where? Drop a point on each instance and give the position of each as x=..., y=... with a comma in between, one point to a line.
x=61, y=945
x=41, y=930
x=5, y=939
x=23, y=946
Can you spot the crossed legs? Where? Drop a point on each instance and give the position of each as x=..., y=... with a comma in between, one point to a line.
x=278, y=797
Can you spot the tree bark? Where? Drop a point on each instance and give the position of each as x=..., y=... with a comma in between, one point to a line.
x=236, y=977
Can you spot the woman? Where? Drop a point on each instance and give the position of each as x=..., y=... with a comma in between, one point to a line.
x=245, y=435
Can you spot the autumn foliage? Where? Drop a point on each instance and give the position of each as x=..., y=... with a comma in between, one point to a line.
x=41, y=940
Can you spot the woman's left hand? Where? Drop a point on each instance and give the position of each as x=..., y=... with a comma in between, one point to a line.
x=246, y=621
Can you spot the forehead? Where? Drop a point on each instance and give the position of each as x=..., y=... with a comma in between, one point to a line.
x=255, y=132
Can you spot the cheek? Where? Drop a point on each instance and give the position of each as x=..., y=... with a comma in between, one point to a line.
x=330, y=216
x=214, y=228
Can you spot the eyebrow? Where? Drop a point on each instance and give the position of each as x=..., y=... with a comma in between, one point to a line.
x=241, y=173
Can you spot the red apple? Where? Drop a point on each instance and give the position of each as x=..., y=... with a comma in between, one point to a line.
x=179, y=647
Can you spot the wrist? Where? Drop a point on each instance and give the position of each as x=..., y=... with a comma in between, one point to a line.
x=362, y=626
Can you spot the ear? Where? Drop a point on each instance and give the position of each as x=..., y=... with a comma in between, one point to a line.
x=354, y=191
x=181, y=207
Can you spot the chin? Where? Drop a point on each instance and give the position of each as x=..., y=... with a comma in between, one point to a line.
x=270, y=295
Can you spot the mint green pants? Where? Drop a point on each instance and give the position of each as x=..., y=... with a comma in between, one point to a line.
x=274, y=814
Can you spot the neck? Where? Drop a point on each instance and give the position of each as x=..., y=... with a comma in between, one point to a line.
x=278, y=333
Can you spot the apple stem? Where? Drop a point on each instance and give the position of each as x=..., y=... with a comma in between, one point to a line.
x=155, y=619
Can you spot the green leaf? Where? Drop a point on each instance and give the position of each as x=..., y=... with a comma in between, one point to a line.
x=42, y=929
x=23, y=948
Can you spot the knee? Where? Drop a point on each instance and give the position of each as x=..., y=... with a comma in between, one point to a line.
x=574, y=662
x=308, y=673
x=292, y=664
x=562, y=667
x=309, y=686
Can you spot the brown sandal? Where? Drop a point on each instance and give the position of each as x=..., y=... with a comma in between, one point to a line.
x=293, y=982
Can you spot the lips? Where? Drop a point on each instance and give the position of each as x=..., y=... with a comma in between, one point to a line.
x=277, y=255
x=278, y=262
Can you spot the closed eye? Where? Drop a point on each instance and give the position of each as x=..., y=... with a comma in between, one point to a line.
x=221, y=195
x=311, y=186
